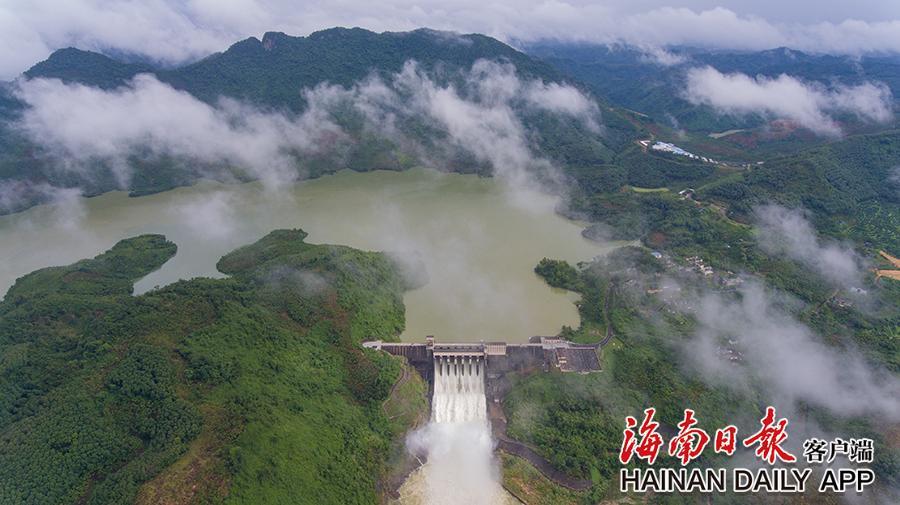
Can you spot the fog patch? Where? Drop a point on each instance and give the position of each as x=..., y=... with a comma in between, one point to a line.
x=786, y=357
x=455, y=255
x=807, y=103
x=599, y=232
x=660, y=56
x=306, y=282
x=82, y=125
x=65, y=205
x=411, y=266
x=480, y=113
x=212, y=217
x=748, y=338
x=673, y=122
x=894, y=178
x=787, y=232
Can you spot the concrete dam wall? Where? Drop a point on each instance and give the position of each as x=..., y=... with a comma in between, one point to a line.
x=543, y=353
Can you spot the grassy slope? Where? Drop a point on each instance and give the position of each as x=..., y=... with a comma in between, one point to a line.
x=530, y=486
x=251, y=389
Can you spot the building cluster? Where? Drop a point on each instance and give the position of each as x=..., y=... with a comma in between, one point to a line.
x=670, y=148
x=691, y=265
x=729, y=351
x=846, y=302
x=724, y=278
x=697, y=263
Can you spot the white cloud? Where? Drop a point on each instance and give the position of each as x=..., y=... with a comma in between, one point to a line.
x=64, y=204
x=481, y=118
x=659, y=56
x=786, y=357
x=787, y=232
x=894, y=177
x=175, y=31
x=79, y=125
x=809, y=104
x=563, y=99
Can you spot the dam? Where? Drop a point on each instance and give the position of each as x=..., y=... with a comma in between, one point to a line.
x=491, y=361
x=467, y=384
x=494, y=359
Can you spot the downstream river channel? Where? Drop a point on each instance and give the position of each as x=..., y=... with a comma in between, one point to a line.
x=477, y=240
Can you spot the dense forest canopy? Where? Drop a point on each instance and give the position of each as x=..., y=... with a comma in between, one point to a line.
x=254, y=386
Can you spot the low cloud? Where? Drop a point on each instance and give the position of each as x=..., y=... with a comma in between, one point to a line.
x=659, y=56
x=753, y=340
x=563, y=99
x=80, y=125
x=64, y=204
x=786, y=357
x=787, y=232
x=894, y=177
x=215, y=216
x=305, y=282
x=174, y=32
x=808, y=104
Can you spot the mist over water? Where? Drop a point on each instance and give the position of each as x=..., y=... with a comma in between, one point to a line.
x=474, y=241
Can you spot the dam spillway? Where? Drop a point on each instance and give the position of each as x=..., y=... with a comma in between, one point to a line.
x=458, y=389
x=457, y=443
x=467, y=383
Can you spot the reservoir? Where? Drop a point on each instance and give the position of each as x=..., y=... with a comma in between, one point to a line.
x=476, y=240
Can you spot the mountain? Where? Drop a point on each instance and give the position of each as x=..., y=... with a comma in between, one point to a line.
x=272, y=70
x=271, y=73
x=654, y=85
x=86, y=67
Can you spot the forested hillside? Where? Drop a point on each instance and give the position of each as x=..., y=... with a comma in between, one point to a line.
x=252, y=388
x=270, y=75
x=850, y=186
x=654, y=84
x=272, y=71
x=575, y=420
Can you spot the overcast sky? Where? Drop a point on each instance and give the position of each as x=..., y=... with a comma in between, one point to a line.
x=173, y=31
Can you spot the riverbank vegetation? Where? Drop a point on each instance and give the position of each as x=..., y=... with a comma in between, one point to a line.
x=248, y=389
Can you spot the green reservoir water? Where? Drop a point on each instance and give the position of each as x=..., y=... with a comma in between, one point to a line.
x=478, y=241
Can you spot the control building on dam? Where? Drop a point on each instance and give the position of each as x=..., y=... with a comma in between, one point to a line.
x=495, y=358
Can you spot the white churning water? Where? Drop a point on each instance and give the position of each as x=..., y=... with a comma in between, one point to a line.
x=461, y=468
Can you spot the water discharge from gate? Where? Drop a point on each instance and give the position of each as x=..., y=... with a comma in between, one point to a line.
x=461, y=467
